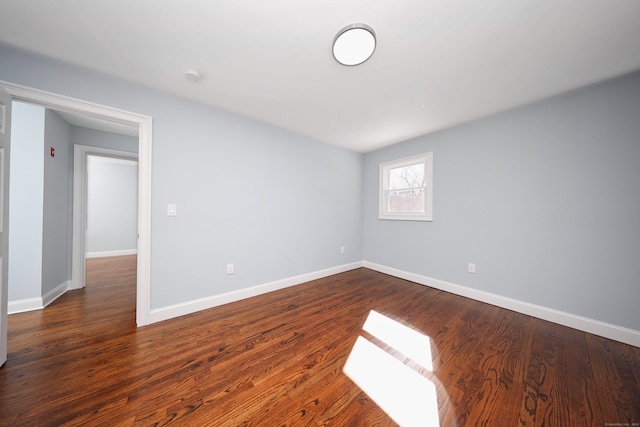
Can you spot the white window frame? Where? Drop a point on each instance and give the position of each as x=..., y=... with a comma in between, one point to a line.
x=427, y=215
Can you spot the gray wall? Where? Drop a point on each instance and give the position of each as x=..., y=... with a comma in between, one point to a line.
x=112, y=205
x=25, y=201
x=275, y=203
x=56, y=204
x=545, y=199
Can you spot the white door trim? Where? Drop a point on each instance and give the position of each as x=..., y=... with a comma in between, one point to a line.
x=5, y=155
x=80, y=154
x=144, y=123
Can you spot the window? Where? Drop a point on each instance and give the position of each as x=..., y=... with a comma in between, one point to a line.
x=406, y=188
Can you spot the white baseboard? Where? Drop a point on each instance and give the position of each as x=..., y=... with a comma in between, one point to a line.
x=165, y=313
x=22, y=305
x=111, y=253
x=38, y=303
x=585, y=324
x=55, y=293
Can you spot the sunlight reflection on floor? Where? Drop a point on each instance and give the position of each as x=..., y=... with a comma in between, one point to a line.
x=408, y=397
x=407, y=341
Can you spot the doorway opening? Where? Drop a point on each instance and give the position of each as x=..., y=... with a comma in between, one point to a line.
x=91, y=111
x=108, y=226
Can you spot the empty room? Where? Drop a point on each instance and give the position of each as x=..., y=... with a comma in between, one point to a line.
x=334, y=213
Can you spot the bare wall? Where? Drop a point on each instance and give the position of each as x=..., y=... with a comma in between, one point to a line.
x=545, y=199
x=274, y=203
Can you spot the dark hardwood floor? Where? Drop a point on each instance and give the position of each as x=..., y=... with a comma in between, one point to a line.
x=279, y=360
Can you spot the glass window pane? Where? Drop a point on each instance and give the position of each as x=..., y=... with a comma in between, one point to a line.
x=409, y=201
x=411, y=176
x=406, y=188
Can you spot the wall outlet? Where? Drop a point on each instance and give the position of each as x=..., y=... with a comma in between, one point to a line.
x=230, y=269
x=341, y=249
x=471, y=268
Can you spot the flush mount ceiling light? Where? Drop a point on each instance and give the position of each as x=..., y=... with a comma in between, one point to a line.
x=193, y=75
x=354, y=44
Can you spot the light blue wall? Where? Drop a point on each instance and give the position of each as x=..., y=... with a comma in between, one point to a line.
x=106, y=230
x=545, y=199
x=41, y=198
x=275, y=203
x=56, y=204
x=25, y=201
x=112, y=205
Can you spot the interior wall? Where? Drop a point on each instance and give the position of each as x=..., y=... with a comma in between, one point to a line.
x=102, y=139
x=25, y=201
x=112, y=206
x=545, y=199
x=41, y=199
x=274, y=203
x=102, y=238
x=56, y=203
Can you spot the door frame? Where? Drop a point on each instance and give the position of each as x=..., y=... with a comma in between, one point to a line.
x=80, y=197
x=144, y=124
x=5, y=155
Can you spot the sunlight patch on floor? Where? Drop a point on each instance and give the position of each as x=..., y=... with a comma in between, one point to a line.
x=407, y=341
x=408, y=397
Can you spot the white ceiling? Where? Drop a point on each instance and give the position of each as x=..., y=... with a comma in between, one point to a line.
x=437, y=62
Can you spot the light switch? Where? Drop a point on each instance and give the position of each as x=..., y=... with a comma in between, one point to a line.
x=172, y=210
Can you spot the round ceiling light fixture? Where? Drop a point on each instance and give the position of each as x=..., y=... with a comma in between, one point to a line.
x=193, y=75
x=354, y=44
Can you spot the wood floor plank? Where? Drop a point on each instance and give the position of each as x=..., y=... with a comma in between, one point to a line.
x=278, y=360
x=537, y=384
x=620, y=405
